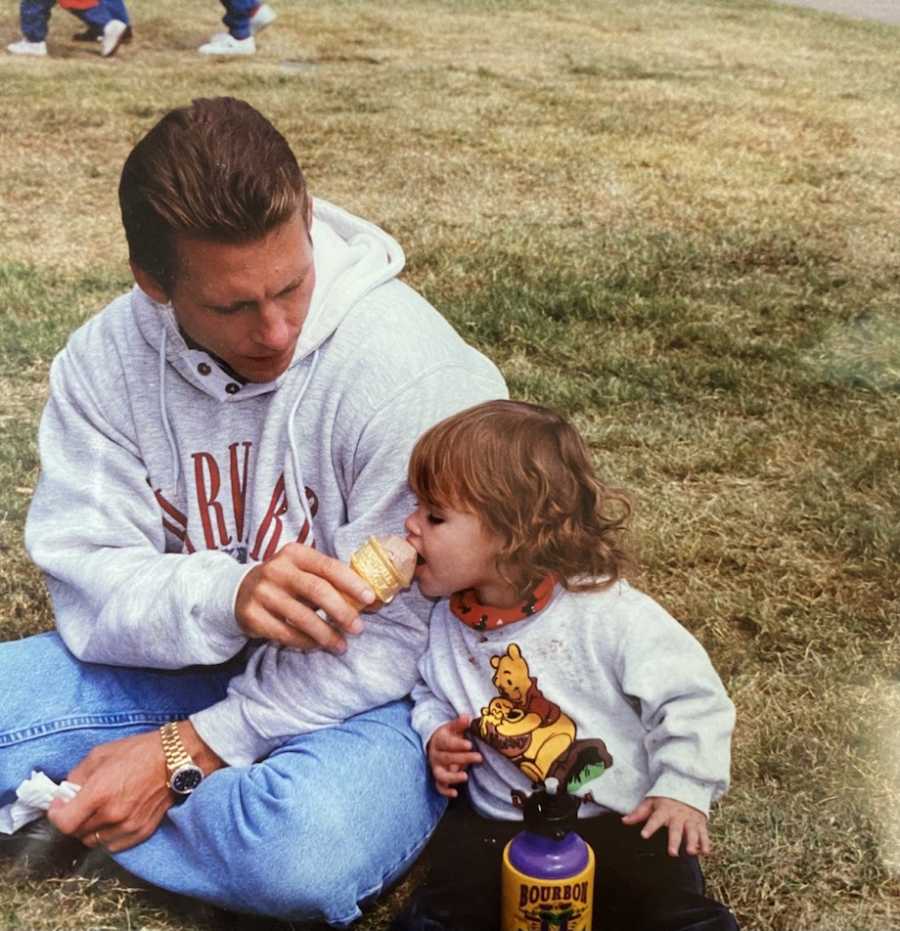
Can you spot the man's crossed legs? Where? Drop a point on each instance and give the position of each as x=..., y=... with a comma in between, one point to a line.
x=324, y=823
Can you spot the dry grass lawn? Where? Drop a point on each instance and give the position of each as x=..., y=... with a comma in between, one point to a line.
x=678, y=221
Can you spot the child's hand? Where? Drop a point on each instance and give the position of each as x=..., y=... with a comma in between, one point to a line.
x=449, y=754
x=682, y=821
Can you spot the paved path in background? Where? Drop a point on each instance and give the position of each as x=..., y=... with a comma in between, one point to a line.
x=884, y=11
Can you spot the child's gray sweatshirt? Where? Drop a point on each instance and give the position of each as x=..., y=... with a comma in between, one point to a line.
x=164, y=480
x=605, y=691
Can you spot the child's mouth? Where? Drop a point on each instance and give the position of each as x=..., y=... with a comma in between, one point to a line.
x=420, y=559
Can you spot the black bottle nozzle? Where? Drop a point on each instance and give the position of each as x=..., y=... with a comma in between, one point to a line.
x=550, y=812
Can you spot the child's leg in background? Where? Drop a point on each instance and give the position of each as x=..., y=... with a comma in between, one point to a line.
x=34, y=16
x=638, y=885
x=96, y=17
x=237, y=16
x=117, y=10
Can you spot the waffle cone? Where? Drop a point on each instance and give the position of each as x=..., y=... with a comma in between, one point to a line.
x=374, y=563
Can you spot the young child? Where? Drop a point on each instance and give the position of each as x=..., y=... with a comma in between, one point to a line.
x=543, y=662
x=106, y=21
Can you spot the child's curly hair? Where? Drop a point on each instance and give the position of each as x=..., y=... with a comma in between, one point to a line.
x=526, y=473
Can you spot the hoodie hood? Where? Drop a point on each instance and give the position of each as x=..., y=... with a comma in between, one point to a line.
x=351, y=257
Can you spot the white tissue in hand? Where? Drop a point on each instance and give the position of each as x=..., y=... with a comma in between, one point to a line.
x=40, y=790
x=34, y=797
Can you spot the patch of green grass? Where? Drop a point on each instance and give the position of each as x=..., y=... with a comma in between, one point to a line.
x=40, y=309
x=731, y=316
x=18, y=458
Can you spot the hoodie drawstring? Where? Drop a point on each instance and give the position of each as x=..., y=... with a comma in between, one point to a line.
x=163, y=413
x=295, y=456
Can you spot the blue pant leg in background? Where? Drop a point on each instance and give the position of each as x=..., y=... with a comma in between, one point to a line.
x=116, y=10
x=34, y=16
x=96, y=17
x=237, y=16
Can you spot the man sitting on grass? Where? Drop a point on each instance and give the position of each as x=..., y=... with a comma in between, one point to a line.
x=216, y=443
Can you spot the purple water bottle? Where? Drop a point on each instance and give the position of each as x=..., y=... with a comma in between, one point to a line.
x=548, y=870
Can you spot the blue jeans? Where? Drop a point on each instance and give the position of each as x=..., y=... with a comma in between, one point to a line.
x=116, y=9
x=34, y=16
x=237, y=16
x=324, y=823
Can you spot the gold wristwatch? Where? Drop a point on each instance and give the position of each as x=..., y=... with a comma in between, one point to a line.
x=184, y=774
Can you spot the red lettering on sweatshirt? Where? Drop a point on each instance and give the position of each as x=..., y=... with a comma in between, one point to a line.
x=278, y=507
x=207, y=482
x=215, y=522
x=239, y=485
x=276, y=510
x=174, y=521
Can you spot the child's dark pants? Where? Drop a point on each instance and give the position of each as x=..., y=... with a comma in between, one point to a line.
x=638, y=886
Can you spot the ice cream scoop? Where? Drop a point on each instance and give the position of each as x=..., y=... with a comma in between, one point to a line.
x=387, y=564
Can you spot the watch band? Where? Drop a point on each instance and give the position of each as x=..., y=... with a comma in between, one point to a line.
x=184, y=774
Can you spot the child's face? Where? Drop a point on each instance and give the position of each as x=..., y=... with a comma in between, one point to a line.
x=455, y=553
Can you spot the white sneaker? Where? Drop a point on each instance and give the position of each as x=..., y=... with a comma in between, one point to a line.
x=264, y=16
x=224, y=43
x=24, y=47
x=113, y=34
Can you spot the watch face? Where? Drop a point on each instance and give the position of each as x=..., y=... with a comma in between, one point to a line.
x=185, y=779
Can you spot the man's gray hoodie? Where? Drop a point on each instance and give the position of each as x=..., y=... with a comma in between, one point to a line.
x=164, y=480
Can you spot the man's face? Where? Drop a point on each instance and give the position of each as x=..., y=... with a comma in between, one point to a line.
x=246, y=303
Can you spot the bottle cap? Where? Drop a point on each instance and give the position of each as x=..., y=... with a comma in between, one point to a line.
x=550, y=812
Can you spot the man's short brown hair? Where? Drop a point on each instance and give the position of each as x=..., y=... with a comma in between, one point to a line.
x=217, y=170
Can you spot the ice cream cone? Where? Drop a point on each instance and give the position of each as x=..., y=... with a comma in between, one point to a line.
x=387, y=564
